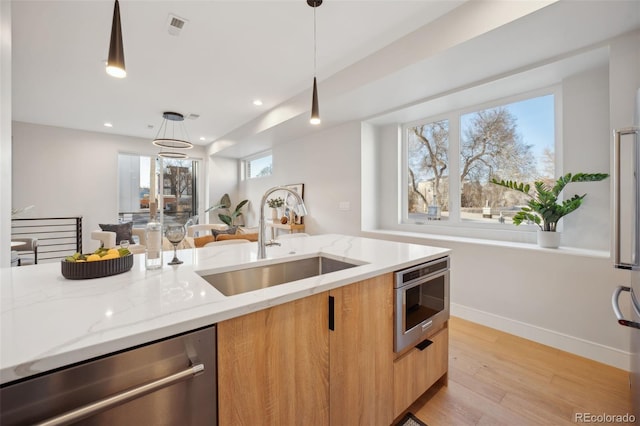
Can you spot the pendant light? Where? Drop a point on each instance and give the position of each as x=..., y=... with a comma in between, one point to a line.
x=172, y=135
x=115, y=63
x=315, y=111
x=172, y=154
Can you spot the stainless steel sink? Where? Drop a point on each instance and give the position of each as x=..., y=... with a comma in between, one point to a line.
x=243, y=280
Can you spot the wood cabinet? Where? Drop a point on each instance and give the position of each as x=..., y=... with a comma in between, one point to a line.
x=361, y=353
x=283, y=365
x=273, y=365
x=417, y=370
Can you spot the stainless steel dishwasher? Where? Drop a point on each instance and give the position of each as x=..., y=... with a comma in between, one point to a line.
x=167, y=382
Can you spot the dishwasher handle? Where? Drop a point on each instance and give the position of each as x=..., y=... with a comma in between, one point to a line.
x=616, y=307
x=122, y=397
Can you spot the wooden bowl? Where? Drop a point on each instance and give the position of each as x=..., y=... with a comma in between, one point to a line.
x=97, y=269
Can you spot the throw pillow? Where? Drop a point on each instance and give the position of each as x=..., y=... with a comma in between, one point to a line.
x=201, y=241
x=122, y=230
x=231, y=231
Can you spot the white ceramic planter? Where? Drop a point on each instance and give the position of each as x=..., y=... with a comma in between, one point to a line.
x=549, y=239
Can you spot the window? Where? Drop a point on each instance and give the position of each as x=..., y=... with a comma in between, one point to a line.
x=259, y=166
x=144, y=179
x=510, y=141
x=179, y=189
x=427, y=154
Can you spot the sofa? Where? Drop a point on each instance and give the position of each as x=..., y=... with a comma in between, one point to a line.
x=211, y=233
x=197, y=236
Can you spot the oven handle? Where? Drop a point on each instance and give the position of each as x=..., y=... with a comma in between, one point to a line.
x=423, y=280
x=122, y=397
x=398, y=283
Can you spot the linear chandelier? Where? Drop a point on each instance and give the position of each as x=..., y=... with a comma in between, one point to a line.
x=315, y=110
x=172, y=135
x=115, y=62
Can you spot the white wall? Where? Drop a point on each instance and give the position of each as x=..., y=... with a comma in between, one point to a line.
x=65, y=172
x=586, y=143
x=369, y=159
x=5, y=132
x=328, y=164
x=224, y=174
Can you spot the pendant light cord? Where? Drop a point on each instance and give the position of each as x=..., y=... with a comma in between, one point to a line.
x=315, y=47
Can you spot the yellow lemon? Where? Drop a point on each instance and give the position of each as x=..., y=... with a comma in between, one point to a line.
x=113, y=252
x=93, y=258
x=110, y=256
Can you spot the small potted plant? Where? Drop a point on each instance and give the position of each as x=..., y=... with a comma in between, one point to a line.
x=543, y=208
x=275, y=204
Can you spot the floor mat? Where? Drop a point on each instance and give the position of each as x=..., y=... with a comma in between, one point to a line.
x=410, y=420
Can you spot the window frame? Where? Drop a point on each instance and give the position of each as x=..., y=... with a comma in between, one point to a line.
x=454, y=118
x=197, y=182
x=246, y=164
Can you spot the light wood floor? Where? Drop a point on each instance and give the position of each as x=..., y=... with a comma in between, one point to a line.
x=500, y=379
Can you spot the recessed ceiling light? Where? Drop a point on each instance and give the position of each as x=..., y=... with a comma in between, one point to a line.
x=108, y=125
x=202, y=138
x=257, y=102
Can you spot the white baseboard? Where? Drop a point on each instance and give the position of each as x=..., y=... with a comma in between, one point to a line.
x=584, y=348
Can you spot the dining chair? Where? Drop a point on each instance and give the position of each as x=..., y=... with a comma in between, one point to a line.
x=27, y=252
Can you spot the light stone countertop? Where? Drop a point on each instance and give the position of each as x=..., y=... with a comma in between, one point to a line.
x=47, y=321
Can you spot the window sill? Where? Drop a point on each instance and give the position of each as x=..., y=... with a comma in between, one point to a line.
x=423, y=238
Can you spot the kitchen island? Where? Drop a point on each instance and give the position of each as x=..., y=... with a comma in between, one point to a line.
x=49, y=322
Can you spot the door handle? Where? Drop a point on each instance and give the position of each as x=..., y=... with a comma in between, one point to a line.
x=616, y=307
x=632, y=258
x=122, y=397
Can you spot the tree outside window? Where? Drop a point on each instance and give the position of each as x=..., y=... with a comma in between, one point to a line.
x=512, y=142
x=428, y=151
x=142, y=179
x=178, y=189
x=259, y=166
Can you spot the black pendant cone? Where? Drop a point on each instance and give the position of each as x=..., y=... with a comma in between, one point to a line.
x=315, y=111
x=115, y=63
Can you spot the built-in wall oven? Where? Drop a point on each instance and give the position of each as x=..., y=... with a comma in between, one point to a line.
x=421, y=301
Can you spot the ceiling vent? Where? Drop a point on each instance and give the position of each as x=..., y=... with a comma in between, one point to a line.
x=175, y=24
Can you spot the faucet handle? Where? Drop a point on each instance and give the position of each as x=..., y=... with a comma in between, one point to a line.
x=272, y=243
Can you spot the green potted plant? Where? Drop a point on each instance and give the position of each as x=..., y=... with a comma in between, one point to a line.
x=230, y=215
x=543, y=207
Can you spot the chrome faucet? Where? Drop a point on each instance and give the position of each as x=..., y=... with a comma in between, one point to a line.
x=299, y=209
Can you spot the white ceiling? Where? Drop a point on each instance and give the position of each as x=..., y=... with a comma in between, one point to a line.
x=373, y=57
x=228, y=54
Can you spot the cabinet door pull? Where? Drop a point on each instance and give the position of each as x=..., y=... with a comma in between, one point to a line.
x=423, y=345
x=331, y=313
